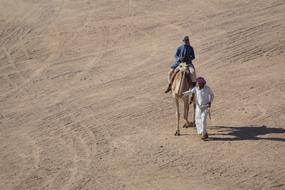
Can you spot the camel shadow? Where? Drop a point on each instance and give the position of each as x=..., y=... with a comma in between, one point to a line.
x=246, y=133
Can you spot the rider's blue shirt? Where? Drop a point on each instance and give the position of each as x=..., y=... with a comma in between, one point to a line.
x=186, y=51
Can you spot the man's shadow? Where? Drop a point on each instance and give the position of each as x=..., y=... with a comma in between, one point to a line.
x=245, y=133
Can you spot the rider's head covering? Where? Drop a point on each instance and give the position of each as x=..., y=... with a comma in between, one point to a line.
x=186, y=38
x=201, y=80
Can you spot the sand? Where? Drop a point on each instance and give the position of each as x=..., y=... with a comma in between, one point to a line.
x=82, y=103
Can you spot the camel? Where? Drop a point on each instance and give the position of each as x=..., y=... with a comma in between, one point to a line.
x=181, y=82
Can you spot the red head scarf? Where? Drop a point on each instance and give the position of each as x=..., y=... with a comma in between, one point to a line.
x=201, y=80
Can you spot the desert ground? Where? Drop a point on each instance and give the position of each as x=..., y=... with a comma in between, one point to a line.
x=82, y=102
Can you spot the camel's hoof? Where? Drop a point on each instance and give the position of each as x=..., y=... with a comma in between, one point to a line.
x=192, y=124
x=177, y=133
x=186, y=125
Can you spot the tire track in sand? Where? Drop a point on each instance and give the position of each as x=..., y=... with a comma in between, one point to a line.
x=25, y=154
x=40, y=70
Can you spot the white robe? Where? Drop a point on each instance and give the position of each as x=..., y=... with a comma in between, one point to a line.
x=203, y=97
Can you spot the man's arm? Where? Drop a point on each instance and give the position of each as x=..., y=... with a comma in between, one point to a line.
x=177, y=55
x=211, y=96
x=192, y=54
x=189, y=92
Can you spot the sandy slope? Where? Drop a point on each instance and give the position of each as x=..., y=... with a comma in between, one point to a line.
x=82, y=103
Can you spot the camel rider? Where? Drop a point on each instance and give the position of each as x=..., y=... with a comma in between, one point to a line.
x=184, y=53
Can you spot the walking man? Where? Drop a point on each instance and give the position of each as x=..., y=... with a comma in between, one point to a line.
x=204, y=99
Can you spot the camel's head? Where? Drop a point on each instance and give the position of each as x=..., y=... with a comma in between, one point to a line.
x=182, y=80
x=183, y=67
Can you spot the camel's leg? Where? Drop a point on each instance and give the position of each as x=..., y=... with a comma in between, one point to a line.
x=177, y=133
x=186, y=112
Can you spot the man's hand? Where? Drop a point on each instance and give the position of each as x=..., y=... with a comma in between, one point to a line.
x=209, y=104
